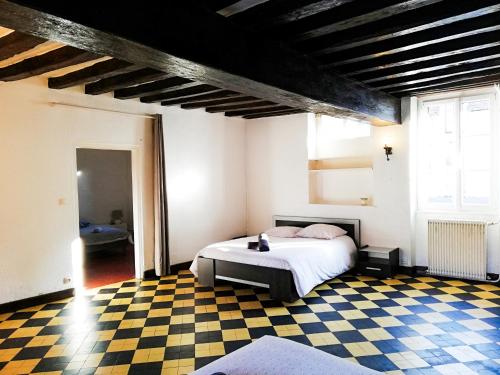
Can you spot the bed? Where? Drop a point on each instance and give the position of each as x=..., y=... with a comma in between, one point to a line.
x=97, y=237
x=271, y=355
x=292, y=268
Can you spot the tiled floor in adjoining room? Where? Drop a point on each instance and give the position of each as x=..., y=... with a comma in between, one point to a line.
x=172, y=326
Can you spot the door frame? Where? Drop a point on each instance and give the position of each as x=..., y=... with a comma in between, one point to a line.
x=137, y=165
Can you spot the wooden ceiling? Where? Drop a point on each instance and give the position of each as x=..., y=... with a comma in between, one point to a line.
x=23, y=56
x=400, y=47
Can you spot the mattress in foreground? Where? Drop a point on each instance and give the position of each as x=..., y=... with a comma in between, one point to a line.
x=271, y=355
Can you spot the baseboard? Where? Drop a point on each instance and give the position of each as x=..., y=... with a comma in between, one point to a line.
x=422, y=271
x=405, y=270
x=175, y=268
x=37, y=300
x=412, y=270
x=150, y=275
x=493, y=276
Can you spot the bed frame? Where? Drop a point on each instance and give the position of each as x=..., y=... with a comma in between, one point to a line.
x=280, y=282
x=116, y=244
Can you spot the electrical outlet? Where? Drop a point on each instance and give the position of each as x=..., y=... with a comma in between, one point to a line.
x=67, y=280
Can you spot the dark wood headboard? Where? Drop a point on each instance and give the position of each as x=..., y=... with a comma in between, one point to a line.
x=352, y=226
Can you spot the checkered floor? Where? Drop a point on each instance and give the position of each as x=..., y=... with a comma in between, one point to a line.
x=172, y=326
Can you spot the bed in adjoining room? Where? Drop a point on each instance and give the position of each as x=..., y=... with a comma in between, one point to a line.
x=292, y=268
x=99, y=237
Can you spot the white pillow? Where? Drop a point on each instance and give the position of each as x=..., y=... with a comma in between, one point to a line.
x=321, y=231
x=284, y=232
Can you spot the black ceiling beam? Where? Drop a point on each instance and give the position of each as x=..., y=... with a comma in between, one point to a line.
x=124, y=80
x=181, y=93
x=100, y=70
x=214, y=51
x=464, y=68
x=239, y=106
x=201, y=98
x=274, y=114
x=457, y=30
x=158, y=87
x=426, y=52
x=446, y=80
x=409, y=22
x=50, y=61
x=447, y=61
x=466, y=83
x=268, y=109
x=216, y=5
x=346, y=16
x=239, y=6
x=219, y=102
x=16, y=42
x=282, y=11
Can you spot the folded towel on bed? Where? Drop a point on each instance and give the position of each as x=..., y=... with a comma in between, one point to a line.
x=263, y=242
x=261, y=245
x=253, y=245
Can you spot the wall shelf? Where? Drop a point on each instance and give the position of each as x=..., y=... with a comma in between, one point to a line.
x=342, y=204
x=337, y=169
x=337, y=183
x=340, y=163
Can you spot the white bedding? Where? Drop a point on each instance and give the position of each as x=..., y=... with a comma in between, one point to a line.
x=310, y=260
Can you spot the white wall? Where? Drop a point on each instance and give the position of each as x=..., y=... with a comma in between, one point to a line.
x=206, y=180
x=104, y=185
x=38, y=189
x=277, y=181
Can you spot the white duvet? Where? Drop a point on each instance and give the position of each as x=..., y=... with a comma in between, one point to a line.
x=311, y=261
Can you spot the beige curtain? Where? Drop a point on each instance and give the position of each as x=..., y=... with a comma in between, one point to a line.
x=161, y=256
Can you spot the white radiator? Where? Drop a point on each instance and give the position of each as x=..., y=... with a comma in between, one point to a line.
x=457, y=248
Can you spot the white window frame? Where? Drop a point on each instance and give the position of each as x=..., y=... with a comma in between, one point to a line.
x=458, y=207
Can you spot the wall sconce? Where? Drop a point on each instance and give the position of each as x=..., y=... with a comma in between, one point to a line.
x=388, y=151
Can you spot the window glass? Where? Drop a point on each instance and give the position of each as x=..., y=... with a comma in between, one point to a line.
x=455, y=153
x=439, y=158
x=476, y=151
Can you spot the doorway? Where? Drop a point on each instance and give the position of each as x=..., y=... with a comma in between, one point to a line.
x=106, y=215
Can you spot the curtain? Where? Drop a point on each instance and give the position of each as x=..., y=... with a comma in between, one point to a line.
x=161, y=255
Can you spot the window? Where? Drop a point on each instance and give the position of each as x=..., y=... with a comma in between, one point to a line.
x=330, y=137
x=455, y=169
x=336, y=129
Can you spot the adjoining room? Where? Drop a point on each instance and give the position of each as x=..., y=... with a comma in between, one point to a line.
x=235, y=187
x=106, y=217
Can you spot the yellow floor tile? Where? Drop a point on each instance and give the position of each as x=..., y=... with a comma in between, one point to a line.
x=360, y=349
x=321, y=339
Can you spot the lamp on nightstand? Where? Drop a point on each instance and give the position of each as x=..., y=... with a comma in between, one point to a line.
x=116, y=217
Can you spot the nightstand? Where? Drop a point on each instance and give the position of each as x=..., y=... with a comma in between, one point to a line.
x=378, y=261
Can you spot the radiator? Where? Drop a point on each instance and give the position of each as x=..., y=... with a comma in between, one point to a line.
x=457, y=248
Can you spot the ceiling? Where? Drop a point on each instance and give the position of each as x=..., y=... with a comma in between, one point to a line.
x=401, y=47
